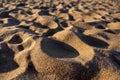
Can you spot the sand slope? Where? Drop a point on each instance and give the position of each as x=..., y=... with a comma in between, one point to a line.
x=60, y=40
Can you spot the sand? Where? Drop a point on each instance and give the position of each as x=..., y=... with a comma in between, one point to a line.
x=60, y=40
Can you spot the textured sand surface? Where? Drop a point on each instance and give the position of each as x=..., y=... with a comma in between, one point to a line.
x=59, y=39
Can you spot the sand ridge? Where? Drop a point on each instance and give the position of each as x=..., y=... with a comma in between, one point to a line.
x=59, y=40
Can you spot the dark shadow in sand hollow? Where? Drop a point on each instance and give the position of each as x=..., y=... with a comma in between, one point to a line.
x=115, y=56
x=104, y=36
x=50, y=32
x=58, y=49
x=4, y=14
x=16, y=39
x=97, y=22
x=12, y=22
x=116, y=31
x=38, y=25
x=92, y=41
x=44, y=12
x=7, y=62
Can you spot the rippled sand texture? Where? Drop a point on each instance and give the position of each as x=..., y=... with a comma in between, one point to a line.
x=60, y=40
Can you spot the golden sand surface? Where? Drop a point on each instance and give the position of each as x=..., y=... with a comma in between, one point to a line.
x=59, y=39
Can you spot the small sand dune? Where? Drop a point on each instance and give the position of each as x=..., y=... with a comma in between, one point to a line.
x=59, y=40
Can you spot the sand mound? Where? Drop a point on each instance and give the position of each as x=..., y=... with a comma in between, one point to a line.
x=47, y=21
x=59, y=40
x=116, y=25
x=67, y=36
